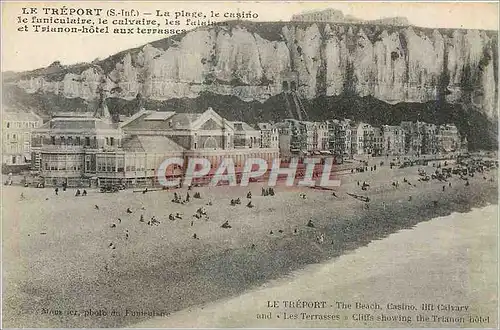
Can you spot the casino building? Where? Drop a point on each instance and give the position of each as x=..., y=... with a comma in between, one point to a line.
x=93, y=151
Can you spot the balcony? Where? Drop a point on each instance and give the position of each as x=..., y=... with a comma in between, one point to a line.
x=61, y=148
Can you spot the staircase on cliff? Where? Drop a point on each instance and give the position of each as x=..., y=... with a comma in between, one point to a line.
x=294, y=106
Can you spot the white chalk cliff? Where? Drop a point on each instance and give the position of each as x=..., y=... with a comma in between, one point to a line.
x=393, y=64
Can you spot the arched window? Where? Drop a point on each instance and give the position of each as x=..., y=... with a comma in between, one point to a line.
x=210, y=143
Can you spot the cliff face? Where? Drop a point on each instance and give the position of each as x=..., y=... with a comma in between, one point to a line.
x=252, y=60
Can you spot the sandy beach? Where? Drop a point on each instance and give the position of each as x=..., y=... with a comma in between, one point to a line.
x=59, y=271
x=427, y=264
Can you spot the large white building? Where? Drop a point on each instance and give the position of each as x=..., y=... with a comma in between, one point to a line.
x=269, y=135
x=394, y=140
x=92, y=150
x=16, y=138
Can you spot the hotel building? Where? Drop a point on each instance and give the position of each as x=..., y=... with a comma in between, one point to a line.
x=94, y=151
x=17, y=128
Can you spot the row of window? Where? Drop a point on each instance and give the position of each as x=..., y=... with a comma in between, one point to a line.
x=15, y=136
x=16, y=148
x=77, y=140
x=62, y=162
x=21, y=124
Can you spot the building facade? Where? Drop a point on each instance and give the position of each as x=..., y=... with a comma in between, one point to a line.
x=413, y=137
x=394, y=140
x=449, y=139
x=429, y=139
x=378, y=141
x=269, y=135
x=17, y=128
x=362, y=141
x=67, y=147
x=81, y=151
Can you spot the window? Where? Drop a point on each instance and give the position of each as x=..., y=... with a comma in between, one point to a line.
x=77, y=140
x=14, y=136
x=13, y=159
x=87, y=141
x=112, y=141
x=53, y=140
x=8, y=124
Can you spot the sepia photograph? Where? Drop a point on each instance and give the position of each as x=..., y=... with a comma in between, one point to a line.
x=247, y=164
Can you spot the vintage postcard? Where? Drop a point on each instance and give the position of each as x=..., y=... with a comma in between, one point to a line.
x=249, y=164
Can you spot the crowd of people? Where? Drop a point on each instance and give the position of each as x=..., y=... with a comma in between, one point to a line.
x=441, y=174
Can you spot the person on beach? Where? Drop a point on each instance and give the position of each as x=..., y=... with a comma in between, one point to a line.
x=409, y=198
x=444, y=187
x=449, y=184
x=334, y=195
x=57, y=191
x=96, y=207
x=187, y=197
x=22, y=196
x=171, y=217
x=226, y=225
x=128, y=210
x=77, y=193
x=250, y=205
x=467, y=183
x=142, y=218
x=194, y=236
x=320, y=238
x=310, y=224
x=84, y=192
x=249, y=194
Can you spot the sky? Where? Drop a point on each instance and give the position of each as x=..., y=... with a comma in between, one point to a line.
x=30, y=50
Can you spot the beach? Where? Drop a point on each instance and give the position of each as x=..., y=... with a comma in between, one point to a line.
x=427, y=264
x=59, y=270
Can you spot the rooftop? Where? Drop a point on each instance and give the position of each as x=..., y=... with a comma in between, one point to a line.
x=241, y=126
x=153, y=144
x=78, y=123
x=20, y=116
